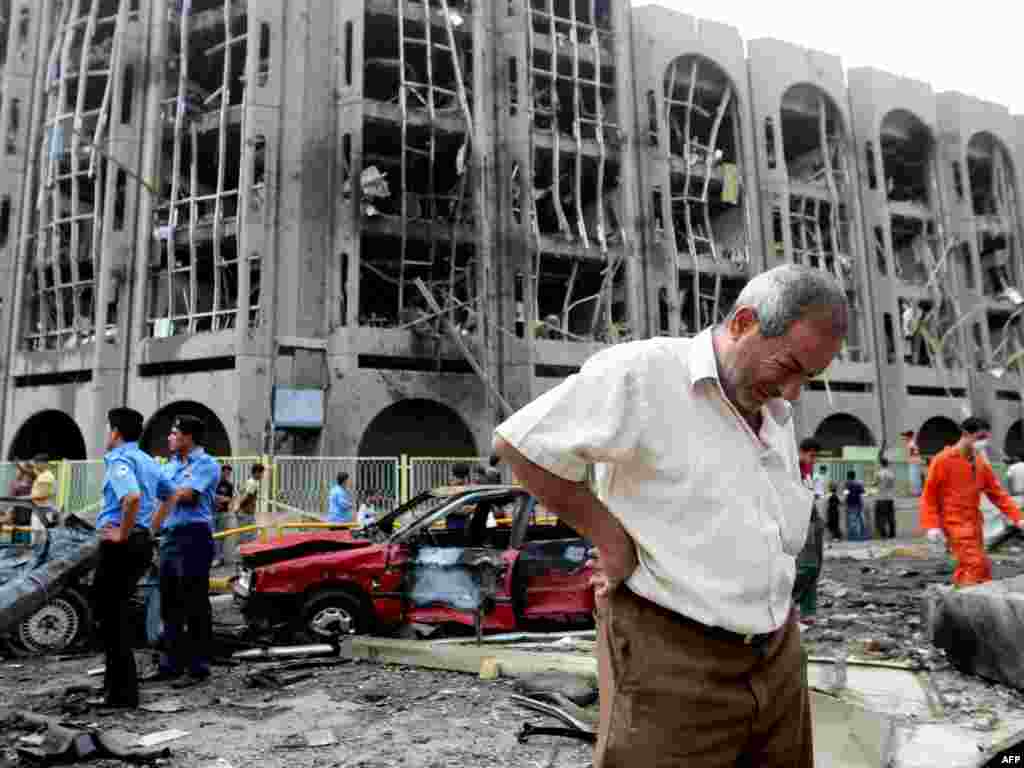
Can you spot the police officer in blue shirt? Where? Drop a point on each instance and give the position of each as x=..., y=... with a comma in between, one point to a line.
x=339, y=502
x=186, y=554
x=131, y=487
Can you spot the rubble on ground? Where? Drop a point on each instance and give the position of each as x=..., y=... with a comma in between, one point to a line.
x=869, y=607
x=332, y=710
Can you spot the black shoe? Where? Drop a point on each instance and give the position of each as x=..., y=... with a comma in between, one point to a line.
x=114, y=702
x=121, y=703
x=191, y=680
x=161, y=676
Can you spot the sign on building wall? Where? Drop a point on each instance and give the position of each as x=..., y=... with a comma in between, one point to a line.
x=298, y=408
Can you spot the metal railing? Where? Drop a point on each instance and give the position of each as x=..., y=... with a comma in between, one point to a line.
x=296, y=488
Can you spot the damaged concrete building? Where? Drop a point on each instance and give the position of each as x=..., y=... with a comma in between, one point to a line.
x=372, y=227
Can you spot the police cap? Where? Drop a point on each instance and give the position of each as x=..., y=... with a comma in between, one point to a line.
x=190, y=425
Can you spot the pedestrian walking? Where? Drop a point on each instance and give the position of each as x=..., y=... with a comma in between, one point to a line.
x=821, y=483
x=914, y=462
x=44, y=496
x=248, y=499
x=339, y=502
x=810, y=559
x=834, y=502
x=856, y=528
x=20, y=516
x=132, y=484
x=697, y=511
x=885, y=503
x=225, y=518
x=950, y=510
x=186, y=553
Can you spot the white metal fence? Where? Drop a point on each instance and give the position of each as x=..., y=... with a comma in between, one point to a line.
x=305, y=482
x=299, y=486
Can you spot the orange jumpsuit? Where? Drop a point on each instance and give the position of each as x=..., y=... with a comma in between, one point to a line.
x=950, y=501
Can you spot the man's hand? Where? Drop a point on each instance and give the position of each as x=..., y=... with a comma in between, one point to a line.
x=1020, y=523
x=936, y=537
x=114, y=534
x=614, y=563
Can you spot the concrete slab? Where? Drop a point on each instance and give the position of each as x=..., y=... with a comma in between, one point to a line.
x=979, y=628
x=884, y=690
x=849, y=736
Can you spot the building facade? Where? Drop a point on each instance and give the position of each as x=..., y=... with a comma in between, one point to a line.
x=410, y=216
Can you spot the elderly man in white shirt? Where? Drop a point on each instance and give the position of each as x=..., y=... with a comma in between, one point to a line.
x=698, y=511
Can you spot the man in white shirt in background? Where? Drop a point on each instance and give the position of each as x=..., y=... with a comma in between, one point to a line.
x=698, y=514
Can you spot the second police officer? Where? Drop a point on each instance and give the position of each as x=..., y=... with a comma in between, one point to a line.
x=185, y=522
x=131, y=487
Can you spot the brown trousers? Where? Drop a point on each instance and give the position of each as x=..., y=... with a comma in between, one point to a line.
x=679, y=697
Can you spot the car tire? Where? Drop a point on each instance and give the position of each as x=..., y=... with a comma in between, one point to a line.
x=323, y=608
x=61, y=623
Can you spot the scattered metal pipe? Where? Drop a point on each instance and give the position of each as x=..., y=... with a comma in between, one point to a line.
x=569, y=733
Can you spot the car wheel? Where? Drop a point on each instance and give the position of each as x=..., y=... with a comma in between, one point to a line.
x=57, y=625
x=326, y=611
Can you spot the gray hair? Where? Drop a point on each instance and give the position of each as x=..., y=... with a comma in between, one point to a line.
x=782, y=295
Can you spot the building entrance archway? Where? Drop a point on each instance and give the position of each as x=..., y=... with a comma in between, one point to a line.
x=51, y=432
x=154, y=436
x=840, y=430
x=418, y=427
x=935, y=434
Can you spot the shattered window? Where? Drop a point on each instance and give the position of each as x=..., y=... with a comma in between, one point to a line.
x=575, y=184
x=994, y=204
x=701, y=116
x=211, y=173
x=907, y=148
x=65, y=236
x=415, y=184
x=5, y=25
x=579, y=299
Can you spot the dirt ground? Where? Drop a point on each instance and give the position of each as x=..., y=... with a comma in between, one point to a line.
x=382, y=715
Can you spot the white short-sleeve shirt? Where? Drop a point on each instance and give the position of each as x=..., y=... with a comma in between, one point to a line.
x=717, y=513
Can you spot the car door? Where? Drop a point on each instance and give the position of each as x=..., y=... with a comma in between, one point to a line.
x=462, y=574
x=552, y=578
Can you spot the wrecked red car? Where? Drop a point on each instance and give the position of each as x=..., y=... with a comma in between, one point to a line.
x=488, y=557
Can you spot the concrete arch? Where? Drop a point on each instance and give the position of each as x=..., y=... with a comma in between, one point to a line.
x=51, y=432
x=804, y=94
x=417, y=427
x=991, y=191
x=936, y=433
x=986, y=141
x=154, y=435
x=843, y=429
x=1013, y=444
x=713, y=79
x=904, y=121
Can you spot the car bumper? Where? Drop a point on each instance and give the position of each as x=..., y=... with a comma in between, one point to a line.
x=267, y=608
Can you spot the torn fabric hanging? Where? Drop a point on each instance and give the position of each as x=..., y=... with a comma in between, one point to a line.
x=56, y=141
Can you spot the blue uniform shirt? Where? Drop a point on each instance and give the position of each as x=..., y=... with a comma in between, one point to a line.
x=131, y=470
x=201, y=473
x=339, y=506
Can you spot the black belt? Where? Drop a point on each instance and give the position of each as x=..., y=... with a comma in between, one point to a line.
x=754, y=640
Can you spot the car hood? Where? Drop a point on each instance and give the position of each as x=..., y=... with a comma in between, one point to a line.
x=295, y=545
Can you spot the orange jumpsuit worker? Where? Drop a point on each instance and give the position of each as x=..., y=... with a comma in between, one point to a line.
x=950, y=501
